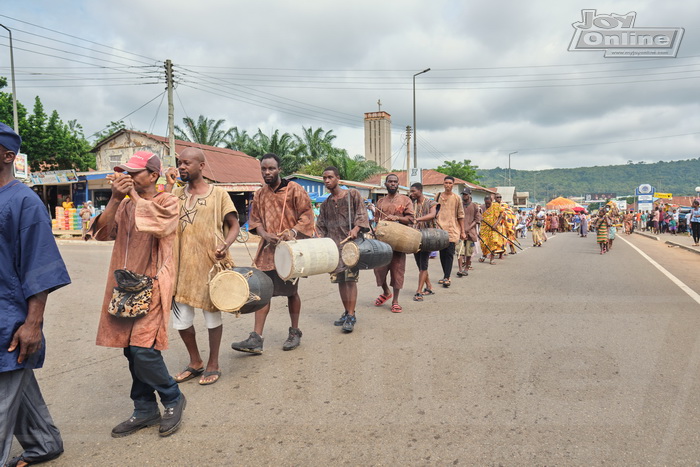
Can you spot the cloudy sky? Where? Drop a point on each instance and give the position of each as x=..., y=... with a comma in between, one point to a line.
x=502, y=78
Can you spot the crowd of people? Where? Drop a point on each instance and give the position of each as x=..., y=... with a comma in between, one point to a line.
x=166, y=245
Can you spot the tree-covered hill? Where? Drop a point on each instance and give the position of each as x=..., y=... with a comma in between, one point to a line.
x=677, y=177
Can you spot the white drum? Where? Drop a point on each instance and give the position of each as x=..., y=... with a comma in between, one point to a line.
x=308, y=257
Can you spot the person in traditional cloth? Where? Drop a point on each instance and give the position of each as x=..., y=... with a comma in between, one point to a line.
x=472, y=218
x=425, y=210
x=583, y=229
x=281, y=211
x=509, y=223
x=450, y=217
x=32, y=268
x=143, y=228
x=537, y=221
x=342, y=216
x=602, y=224
x=629, y=223
x=207, y=228
x=394, y=207
x=492, y=242
x=85, y=215
x=554, y=223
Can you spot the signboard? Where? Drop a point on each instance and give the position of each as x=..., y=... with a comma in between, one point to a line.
x=664, y=195
x=21, y=166
x=415, y=176
x=622, y=205
x=645, y=198
x=599, y=196
x=55, y=177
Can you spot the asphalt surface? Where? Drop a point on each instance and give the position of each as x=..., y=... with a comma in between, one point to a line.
x=554, y=356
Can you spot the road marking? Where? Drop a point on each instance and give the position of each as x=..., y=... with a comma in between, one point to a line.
x=694, y=295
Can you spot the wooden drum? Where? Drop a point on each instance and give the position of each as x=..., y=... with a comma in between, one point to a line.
x=401, y=238
x=434, y=239
x=308, y=257
x=366, y=254
x=240, y=290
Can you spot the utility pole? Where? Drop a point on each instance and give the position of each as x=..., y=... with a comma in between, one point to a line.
x=171, y=112
x=14, y=89
x=408, y=152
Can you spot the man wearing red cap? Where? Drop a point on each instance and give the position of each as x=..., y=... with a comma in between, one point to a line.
x=143, y=228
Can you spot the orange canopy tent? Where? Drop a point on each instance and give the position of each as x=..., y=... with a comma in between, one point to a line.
x=560, y=204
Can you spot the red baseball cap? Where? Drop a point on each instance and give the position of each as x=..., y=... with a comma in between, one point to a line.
x=141, y=160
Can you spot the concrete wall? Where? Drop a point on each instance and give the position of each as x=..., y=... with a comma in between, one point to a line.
x=120, y=149
x=378, y=138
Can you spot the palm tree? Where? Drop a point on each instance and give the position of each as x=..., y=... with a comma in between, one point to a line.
x=205, y=131
x=315, y=144
x=353, y=168
x=239, y=140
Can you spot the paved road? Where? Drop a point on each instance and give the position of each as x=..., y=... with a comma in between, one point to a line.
x=554, y=356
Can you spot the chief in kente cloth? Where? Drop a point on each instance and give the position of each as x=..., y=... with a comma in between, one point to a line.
x=281, y=211
x=343, y=216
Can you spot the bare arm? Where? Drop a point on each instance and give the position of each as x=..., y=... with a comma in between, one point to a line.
x=231, y=220
x=28, y=335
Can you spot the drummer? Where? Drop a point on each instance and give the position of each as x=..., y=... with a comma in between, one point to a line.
x=342, y=216
x=393, y=207
x=207, y=228
x=425, y=211
x=281, y=211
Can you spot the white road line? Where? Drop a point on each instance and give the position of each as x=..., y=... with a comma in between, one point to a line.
x=694, y=295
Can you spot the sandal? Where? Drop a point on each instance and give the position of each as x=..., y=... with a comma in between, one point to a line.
x=483, y=258
x=418, y=297
x=207, y=374
x=446, y=283
x=381, y=299
x=441, y=281
x=460, y=274
x=193, y=373
x=396, y=308
x=427, y=291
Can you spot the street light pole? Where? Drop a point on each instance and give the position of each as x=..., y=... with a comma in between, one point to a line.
x=415, y=133
x=509, y=179
x=14, y=90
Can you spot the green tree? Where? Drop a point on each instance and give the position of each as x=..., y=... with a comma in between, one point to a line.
x=464, y=170
x=204, y=131
x=239, y=141
x=109, y=130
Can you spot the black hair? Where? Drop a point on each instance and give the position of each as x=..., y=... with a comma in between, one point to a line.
x=391, y=175
x=448, y=177
x=417, y=186
x=271, y=155
x=333, y=169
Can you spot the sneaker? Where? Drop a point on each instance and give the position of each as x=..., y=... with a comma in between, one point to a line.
x=349, y=323
x=340, y=321
x=254, y=344
x=134, y=424
x=293, y=340
x=172, y=417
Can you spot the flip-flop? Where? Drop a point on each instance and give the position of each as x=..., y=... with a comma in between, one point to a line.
x=382, y=298
x=207, y=374
x=193, y=373
x=418, y=298
x=427, y=291
x=396, y=308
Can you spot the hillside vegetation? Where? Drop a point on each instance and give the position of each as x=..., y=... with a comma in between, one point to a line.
x=677, y=177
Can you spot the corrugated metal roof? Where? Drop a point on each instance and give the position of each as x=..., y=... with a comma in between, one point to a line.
x=430, y=177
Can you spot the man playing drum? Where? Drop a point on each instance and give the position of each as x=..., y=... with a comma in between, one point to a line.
x=207, y=228
x=425, y=211
x=343, y=216
x=393, y=207
x=281, y=211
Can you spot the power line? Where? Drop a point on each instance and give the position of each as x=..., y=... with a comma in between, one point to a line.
x=127, y=115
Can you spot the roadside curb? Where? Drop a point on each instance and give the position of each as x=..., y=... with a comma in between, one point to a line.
x=685, y=247
x=644, y=234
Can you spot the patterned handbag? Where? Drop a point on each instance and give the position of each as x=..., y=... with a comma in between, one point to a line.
x=131, y=298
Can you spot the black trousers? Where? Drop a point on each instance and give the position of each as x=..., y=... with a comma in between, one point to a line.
x=696, y=231
x=447, y=257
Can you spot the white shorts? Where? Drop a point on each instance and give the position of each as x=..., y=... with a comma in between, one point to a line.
x=183, y=317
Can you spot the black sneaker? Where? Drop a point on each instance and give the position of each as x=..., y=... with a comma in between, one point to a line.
x=340, y=321
x=172, y=417
x=293, y=340
x=134, y=424
x=254, y=344
x=349, y=323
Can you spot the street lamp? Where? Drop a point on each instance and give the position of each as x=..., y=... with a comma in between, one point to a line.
x=415, y=135
x=509, y=180
x=14, y=90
